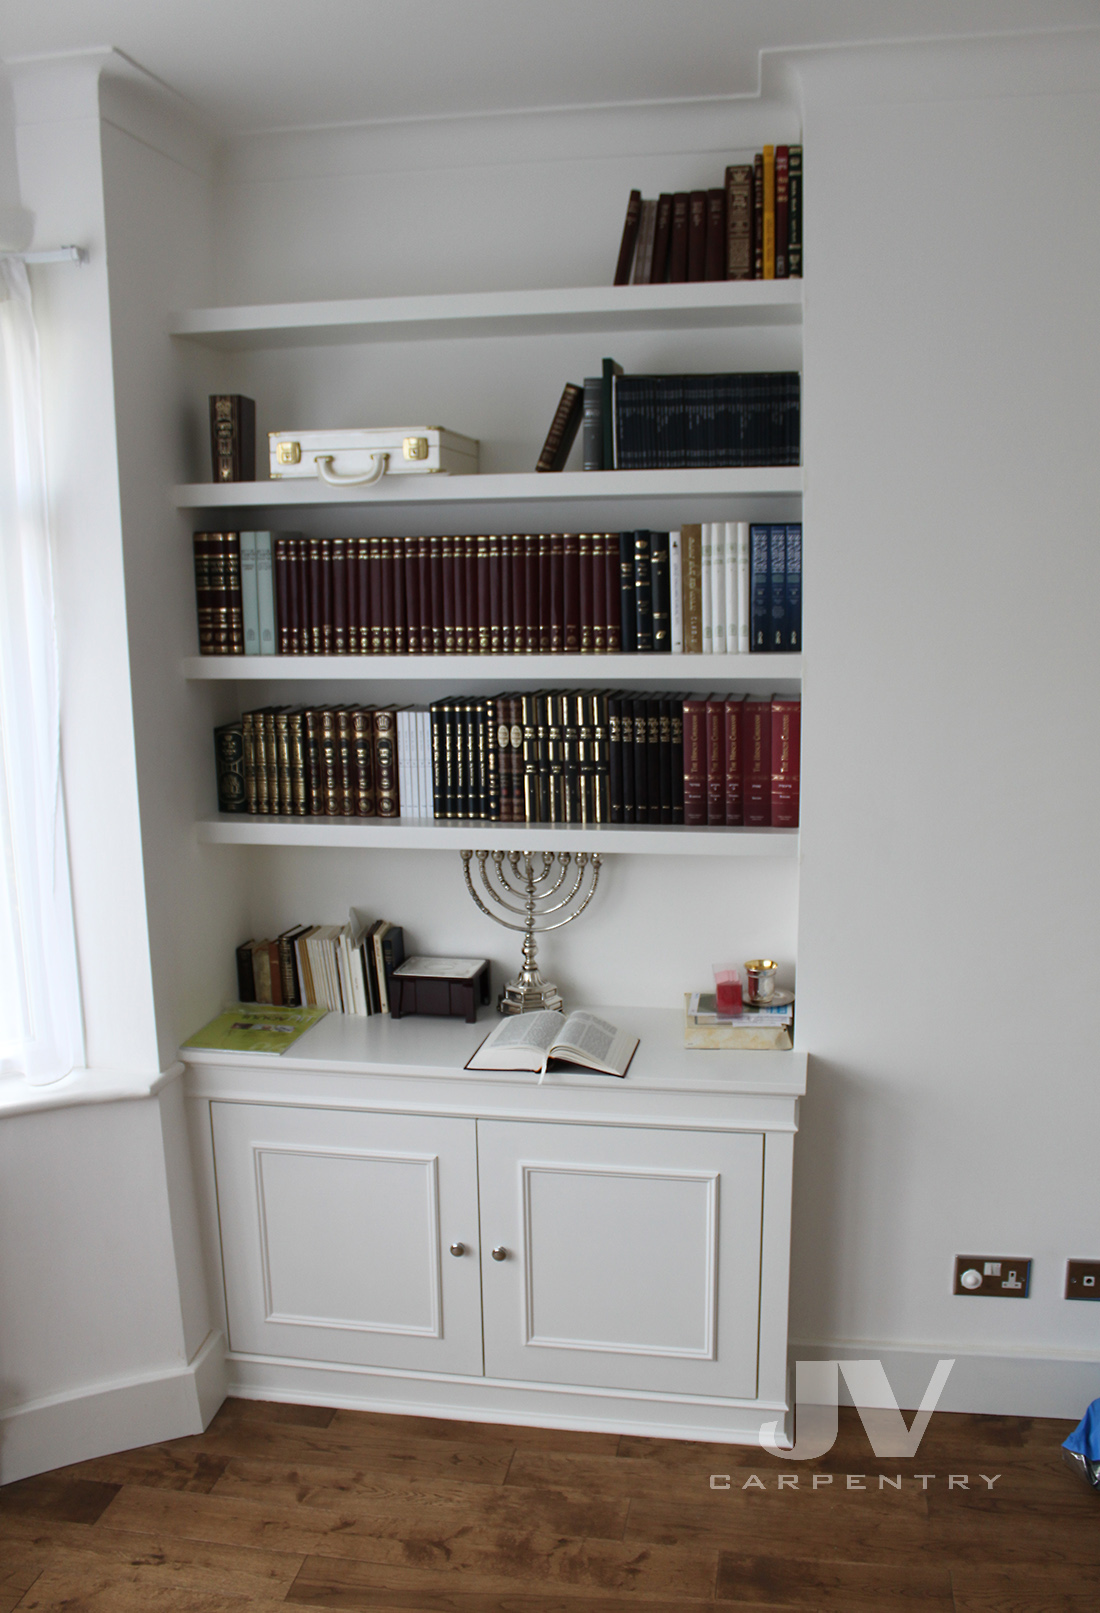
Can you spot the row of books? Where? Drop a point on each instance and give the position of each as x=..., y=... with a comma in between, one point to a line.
x=677, y=422
x=545, y=756
x=711, y=588
x=750, y=228
x=346, y=968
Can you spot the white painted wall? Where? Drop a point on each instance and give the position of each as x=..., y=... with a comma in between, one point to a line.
x=949, y=944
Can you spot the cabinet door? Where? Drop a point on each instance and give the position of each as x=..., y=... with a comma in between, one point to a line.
x=336, y=1232
x=632, y=1257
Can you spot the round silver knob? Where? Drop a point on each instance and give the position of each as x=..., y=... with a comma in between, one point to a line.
x=500, y=1252
x=458, y=1248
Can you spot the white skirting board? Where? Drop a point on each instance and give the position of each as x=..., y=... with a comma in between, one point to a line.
x=93, y=1421
x=1016, y=1385
x=491, y=1400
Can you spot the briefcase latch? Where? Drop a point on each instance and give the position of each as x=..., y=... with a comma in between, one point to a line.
x=288, y=453
x=415, y=447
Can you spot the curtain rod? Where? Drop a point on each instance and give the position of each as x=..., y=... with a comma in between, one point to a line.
x=61, y=254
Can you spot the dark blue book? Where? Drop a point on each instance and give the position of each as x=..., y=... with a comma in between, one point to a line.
x=643, y=593
x=794, y=587
x=660, y=592
x=629, y=638
x=759, y=539
x=777, y=588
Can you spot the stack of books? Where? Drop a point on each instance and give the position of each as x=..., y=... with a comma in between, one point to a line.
x=544, y=756
x=750, y=228
x=345, y=968
x=716, y=587
x=762, y=1027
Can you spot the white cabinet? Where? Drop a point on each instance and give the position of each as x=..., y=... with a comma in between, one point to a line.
x=336, y=1232
x=632, y=1257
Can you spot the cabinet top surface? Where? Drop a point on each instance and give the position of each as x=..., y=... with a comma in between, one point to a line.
x=438, y=1049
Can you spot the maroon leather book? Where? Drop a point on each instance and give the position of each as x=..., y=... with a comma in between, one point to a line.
x=697, y=235
x=544, y=593
x=492, y=566
x=662, y=234
x=519, y=593
x=756, y=766
x=376, y=595
x=782, y=210
x=502, y=729
x=678, y=238
x=786, y=733
x=571, y=593
x=506, y=631
x=556, y=610
x=599, y=600
x=362, y=590
x=447, y=574
x=584, y=571
x=412, y=596
x=629, y=240
x=735, y=794
x=715, y=266
x=424, y=573
x=531, y=593
x=484, y=599
x=386, y=546
x=299, y=595
x=400, y=639
x=739, y=210
x=315, y=616
x=435, y=577
x=519, y=808
x=612, y=593
x=473, y=606
x=716, y=762
x=758, y=216
x=461, y=607
x=281, y=566
x=695, y=761
x=341, y=636
x=327, y=607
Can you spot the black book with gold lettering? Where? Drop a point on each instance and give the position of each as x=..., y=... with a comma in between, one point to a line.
x=233, y=437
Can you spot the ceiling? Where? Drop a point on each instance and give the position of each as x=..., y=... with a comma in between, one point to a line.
x=255, y=64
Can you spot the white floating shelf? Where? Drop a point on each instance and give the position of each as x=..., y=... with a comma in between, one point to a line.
x=529, y=487
x=496, y=313
x=420, y=834
x=595, y=669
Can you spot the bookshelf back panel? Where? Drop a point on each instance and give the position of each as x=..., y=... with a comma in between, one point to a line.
x=653, y=930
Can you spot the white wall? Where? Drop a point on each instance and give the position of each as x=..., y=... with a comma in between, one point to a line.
x=949, y=945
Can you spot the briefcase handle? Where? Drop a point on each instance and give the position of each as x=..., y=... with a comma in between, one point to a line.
x=334, y=478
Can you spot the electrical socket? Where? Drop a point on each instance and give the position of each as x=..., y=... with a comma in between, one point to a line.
x=1083, y=1279
x=992, y=1276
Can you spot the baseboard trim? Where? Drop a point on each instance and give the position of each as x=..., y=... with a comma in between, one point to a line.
x=1015, y=1385
x=487, y=1400
x=93, y=1421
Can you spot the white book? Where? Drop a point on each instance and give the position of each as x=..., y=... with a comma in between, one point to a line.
x=250, y=603
x=428, y=790
x=718, y=588
x=265, y=592
x=676, y=593
x=706, y=549
x=404, y=780
x=530, y=1041
x=729, y=578
x=744, y=643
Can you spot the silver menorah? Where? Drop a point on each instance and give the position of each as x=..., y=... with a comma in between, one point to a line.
x=537, y=889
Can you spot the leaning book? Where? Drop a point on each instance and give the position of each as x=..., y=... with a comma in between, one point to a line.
x=531, y=1041
x=256, y=1028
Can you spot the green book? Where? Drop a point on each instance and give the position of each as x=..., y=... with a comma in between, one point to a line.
x=256, y=1028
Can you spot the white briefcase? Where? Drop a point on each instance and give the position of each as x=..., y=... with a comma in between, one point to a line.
x=358, y=457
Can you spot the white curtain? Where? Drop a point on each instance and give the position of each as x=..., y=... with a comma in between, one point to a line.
x=41, y=1036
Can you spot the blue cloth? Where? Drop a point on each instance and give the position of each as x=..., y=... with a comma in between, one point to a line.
x=1085, y=1439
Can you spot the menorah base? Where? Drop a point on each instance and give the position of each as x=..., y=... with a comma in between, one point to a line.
x=525, y=995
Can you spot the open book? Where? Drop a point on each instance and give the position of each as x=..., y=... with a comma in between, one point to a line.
x=530, y=1041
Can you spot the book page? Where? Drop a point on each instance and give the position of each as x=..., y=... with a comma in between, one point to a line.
x=535, y=1030
x=587, y=1034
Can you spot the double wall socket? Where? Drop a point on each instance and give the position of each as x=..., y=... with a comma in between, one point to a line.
x=1083, y=1279
x=992, y=1276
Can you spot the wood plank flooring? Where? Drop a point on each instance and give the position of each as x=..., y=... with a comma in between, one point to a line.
x=298, y=1507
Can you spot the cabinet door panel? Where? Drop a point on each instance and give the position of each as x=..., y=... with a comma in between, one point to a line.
x=633, y=1257
x=335, y=1227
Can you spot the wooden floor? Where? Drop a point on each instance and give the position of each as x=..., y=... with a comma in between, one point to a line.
x=301, y=1506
